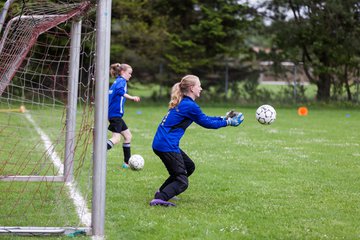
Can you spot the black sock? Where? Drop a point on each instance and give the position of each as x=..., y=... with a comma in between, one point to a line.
x=127, y=152
x=110, y=144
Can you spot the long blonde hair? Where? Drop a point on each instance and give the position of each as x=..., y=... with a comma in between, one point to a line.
x=181, y=88
x=117, y=68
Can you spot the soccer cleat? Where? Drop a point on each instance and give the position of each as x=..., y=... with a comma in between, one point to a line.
x=125, y=165
x=159, y=202
x=173, y=198
x=158, y=191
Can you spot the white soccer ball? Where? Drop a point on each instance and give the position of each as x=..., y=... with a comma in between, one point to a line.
x=265, y=114
x=136, y=162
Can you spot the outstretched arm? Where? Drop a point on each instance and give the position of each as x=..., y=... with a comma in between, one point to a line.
x=205, y=121
x=132, y=98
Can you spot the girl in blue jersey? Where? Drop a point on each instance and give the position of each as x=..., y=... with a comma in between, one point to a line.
x=183, y=110
x=117, y=98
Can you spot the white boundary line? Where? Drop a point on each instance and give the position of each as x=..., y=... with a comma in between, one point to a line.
x=80, y=204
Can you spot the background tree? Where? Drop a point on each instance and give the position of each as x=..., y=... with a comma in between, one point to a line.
x=178, y=37
x=138, y=37
x=323, y=36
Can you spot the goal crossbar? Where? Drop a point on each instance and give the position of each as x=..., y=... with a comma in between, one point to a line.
x=9, y=63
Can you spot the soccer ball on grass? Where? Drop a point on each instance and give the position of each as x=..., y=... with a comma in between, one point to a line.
x=136, y=162
x=265, y=114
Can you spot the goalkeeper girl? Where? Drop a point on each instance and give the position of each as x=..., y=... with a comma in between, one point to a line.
x=117, y=98
x=183, y=110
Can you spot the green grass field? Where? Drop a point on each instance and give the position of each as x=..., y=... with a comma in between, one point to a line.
x=295, y=179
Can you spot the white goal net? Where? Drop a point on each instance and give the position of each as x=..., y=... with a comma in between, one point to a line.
x=47, y=59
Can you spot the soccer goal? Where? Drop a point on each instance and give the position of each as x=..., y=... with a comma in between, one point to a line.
x=52, y=128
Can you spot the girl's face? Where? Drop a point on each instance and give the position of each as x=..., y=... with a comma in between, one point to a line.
x=127, y=74
x=196, y=90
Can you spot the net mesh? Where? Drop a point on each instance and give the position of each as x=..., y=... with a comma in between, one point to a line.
x=34, y=79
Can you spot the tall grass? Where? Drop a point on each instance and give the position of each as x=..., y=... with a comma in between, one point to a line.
x=295, y=179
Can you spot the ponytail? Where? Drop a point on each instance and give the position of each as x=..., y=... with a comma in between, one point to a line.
x=176, y=95
x=117, y=68
x=181, y=88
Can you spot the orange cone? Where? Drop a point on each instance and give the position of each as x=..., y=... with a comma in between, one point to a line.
x=303, y=111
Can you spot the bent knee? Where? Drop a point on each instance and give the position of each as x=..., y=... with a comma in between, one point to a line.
x=127, y=136
x=116, y=138
x=184, y=182
x=190, y=169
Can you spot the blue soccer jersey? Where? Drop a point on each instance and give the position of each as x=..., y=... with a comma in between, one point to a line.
x=116, y=97
x=176, y=121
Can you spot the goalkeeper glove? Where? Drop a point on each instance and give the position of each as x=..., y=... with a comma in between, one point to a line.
x=235, y=121
x=230, y=114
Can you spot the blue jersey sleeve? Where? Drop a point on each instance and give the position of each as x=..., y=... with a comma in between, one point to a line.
x=121, y=88
x=203, y=120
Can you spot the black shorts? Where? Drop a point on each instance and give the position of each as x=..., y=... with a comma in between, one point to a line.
x=117, y=125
